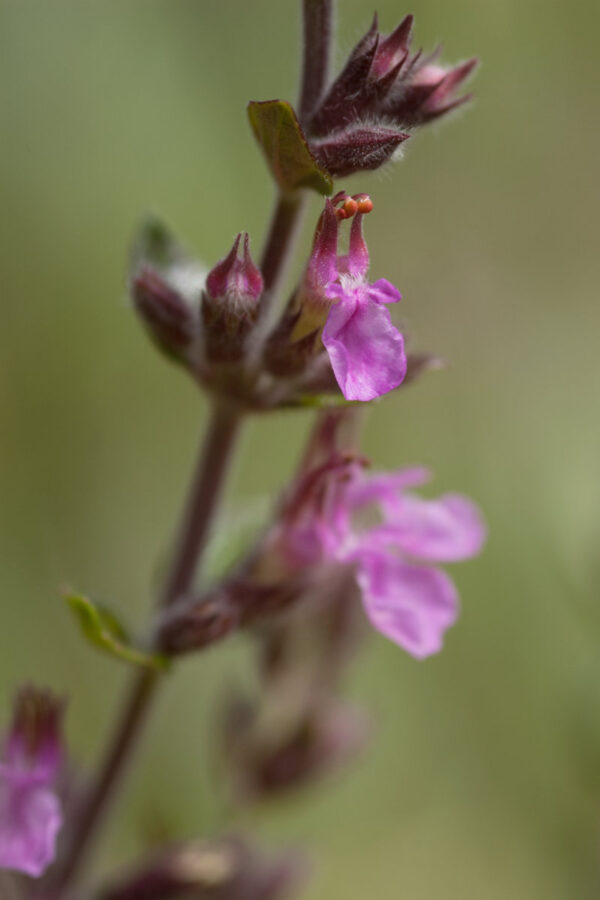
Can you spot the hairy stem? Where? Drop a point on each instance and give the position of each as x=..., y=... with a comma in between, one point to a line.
x=318, y=29
x=283, y=230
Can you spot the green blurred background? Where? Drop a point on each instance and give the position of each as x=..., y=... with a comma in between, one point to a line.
x=484, y=777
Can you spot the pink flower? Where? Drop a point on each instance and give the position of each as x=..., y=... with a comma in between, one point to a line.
x=406, y=596
x=365, y=349
x=30, y=811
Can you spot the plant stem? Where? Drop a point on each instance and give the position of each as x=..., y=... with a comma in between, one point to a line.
x=318, y=29
x=284, y=227
x=207, y=487
x=205, y=493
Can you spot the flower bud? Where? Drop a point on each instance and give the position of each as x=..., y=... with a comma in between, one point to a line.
x=230, y=302
x=30, y=811
x=225, y=869
x=286, y=749
x=357, y=148
x=381, y=91
x=430, y=92
x=167, y=316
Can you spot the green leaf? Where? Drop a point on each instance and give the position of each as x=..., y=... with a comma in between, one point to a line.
x=104, y=631
x=155, y=245
x=286, y=150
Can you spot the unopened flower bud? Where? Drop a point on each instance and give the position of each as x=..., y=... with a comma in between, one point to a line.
x=430, y=92
x=382, y=90
x=167, y=316
x=225, y=869
x=322, y=739
x=357, y=148
x=230, y=302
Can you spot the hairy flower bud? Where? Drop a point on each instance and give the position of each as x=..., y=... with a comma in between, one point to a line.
x=230, y=302
x=382, y=90
x=357, y=148
x=167, y=316
x=429, y=92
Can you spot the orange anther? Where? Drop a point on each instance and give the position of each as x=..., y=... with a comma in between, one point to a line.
x=364, y=203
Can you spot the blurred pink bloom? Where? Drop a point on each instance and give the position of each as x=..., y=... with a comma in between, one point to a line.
x=30, y=811
x=406, y=597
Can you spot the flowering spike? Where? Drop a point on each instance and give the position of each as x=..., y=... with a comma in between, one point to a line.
x=30, y=811
x=230, y=303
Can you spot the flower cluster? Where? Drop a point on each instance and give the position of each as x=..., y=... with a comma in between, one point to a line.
x=30, y=810
x=381, y=93
x=214, y=328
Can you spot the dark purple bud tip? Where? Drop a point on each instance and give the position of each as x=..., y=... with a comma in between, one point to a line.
x=392, y=51
x=230, y=303
x=35, y=733
x=167, y=316
x=236, y=278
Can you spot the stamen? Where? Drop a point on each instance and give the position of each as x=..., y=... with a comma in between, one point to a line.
x=364, y=203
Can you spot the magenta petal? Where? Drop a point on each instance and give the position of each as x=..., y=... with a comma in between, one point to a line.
x=384, y=291
x=444, y=530
x=411, y=605
x=365, y=349
x=30, y=819
x=386, y=487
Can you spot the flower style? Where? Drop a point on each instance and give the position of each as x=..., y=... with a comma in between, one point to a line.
x=405, y=596
x=30, y=811
x=366, y=351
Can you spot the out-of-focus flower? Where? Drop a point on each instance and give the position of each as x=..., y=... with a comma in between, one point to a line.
x=223, y=869
x=406, y=596
x=365, y=349
x=30, y=810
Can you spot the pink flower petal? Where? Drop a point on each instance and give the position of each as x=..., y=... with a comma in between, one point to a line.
x=365, y=349
x=30, y=819
x=444, y=530
x=411, y=605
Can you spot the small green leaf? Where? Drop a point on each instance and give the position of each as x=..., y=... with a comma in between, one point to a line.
x=102, y=629
x=286, y=150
